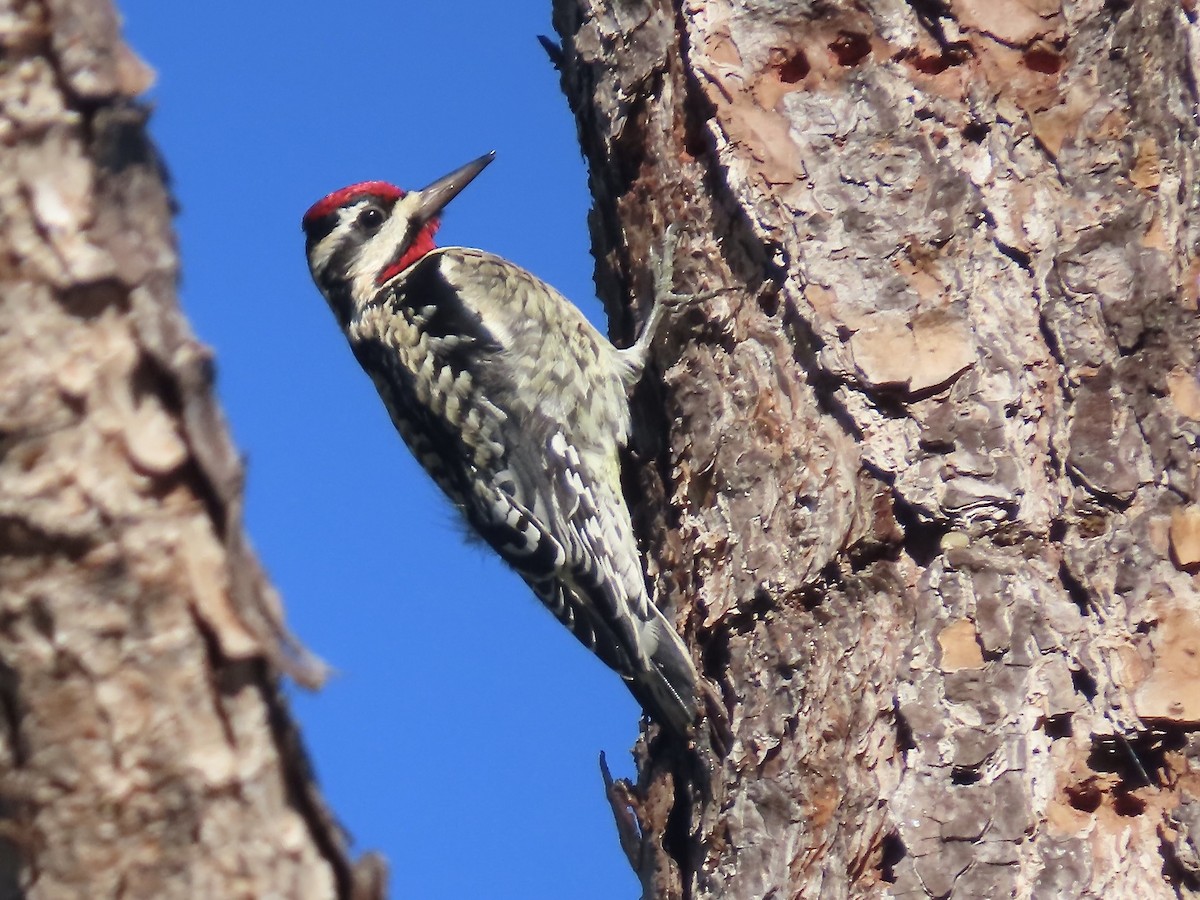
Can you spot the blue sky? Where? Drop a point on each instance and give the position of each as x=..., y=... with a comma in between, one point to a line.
x=461, y=733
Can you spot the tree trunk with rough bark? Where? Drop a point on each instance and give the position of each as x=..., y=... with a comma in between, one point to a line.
x=927, y=502
x=145, y=750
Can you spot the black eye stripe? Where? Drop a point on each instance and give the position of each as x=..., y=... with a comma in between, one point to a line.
x=317, y=229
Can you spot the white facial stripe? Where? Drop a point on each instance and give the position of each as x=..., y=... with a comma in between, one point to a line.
x=383, y=248
x=318, y=257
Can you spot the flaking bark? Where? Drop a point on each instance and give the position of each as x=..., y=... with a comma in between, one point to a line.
x=926, y=503
x=145, y=750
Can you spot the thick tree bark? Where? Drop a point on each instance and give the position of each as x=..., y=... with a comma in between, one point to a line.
x=145, y=750
x=928, y=502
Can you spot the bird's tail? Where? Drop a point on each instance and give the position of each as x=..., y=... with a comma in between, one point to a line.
x=652, y=658
x=667, y=689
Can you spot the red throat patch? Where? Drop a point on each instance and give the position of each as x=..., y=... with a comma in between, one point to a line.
x=421, y=244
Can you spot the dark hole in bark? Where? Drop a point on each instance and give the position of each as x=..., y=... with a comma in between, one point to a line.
x=717, y=655
x=1057, y=727
x=934, y=64
x=1128, y=805
x=1075, y=590
x=922, y=540
x=1084, y=683
x=891, y=851
x=1084, y=797
x=794, y=69
x=850, y=48
x=87, y=301
x=963, y=775
x=975, y=132
x=1044, y=60
x=904, y=735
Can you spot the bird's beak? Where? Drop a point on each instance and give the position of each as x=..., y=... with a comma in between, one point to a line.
x=437, y=195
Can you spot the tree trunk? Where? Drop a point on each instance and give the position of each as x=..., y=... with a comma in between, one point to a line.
x=927, y=507
x=145, y=750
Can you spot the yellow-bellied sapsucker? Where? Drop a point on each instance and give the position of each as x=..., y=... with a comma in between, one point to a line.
x=515, y=405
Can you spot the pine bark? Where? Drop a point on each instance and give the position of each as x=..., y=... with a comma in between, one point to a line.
x=145, y=750
x=926, y=500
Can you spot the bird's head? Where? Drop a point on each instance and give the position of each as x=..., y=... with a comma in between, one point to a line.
x=364, y=235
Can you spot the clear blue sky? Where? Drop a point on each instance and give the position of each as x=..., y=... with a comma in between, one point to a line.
x=461, y=733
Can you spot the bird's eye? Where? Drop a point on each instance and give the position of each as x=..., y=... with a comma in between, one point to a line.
x=371, y=217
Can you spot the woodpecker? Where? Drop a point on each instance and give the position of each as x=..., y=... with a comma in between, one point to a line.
x=515, y=405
